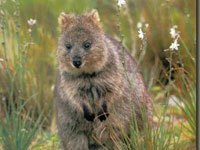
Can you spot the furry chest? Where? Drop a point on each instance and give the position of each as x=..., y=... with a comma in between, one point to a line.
x=91, y=91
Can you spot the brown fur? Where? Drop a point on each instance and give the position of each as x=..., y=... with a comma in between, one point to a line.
x=101, y=86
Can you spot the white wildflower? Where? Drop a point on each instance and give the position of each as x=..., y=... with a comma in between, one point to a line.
x=24, y=130
x=1, y=59
x=139, y=25
x=121, y=3
x=146, y=25
x=31, y=22
x=174, y=101
x=2, y=13
x=30, y=30
x=174, y=45
x=16, y=13
x=52, y=87
x=141, y=34
x=3, y=98
x=173, y=32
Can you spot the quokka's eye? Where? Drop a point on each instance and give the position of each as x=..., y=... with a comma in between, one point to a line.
x=87, y=45
x=68, y=46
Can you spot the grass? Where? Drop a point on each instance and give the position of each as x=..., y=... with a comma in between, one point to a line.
x=28, y=68
x=17, y=131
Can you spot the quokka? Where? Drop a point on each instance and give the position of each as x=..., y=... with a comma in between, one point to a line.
x=98, y=87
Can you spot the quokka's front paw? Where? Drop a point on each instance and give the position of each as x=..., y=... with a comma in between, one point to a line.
x=103, y=113
x=88, y=115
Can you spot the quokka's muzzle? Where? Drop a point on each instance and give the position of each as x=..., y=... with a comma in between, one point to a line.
x=77, y=61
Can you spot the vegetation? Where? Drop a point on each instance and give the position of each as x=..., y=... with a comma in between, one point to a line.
x=161, y=35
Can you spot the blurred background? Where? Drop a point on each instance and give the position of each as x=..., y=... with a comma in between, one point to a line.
x=160, y=34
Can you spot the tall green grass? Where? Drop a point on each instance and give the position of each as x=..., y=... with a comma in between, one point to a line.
x=176, y=125
x=18, y=123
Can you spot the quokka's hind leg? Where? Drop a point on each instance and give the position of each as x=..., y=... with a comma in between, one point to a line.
x=70, y=131
x=77, y=141
x=71, y=138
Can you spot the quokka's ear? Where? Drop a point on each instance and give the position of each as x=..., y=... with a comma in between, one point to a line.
x=65, y=20
x=94, y=15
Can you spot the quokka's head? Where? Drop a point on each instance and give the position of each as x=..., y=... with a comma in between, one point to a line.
x=81, y=46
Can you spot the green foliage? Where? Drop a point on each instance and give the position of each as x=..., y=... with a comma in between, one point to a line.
x=160, y=137
x=18, y=124
x=17, y=130
x=47, y=140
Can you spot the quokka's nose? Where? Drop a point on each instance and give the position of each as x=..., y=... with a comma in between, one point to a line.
x=77, y=61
